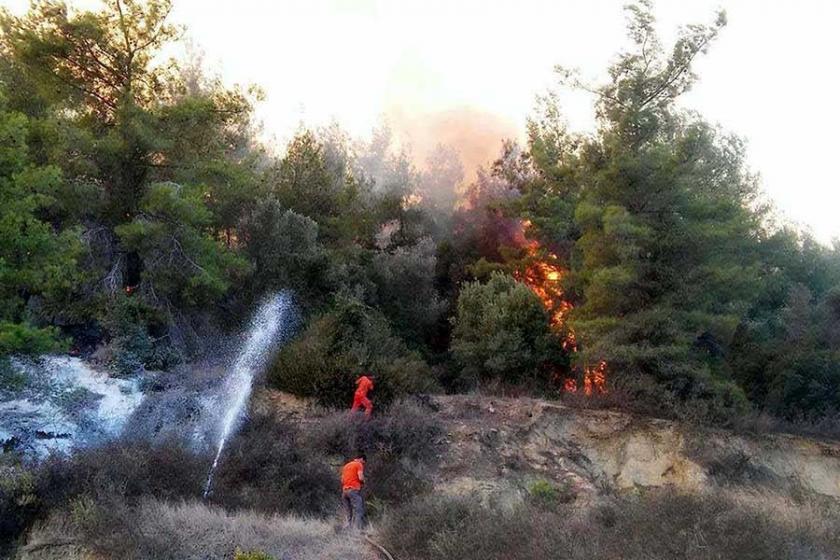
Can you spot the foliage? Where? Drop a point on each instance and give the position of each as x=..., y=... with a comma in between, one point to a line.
x=338, y=346
x=138, y=210
x=664, y=257
x=136, y=330
x=630, y=527
x=264, y=468
x=501, y=331
x=675, y=276
x=129, y=469
x=35, y=261
x=183, y=264
x=545, y=494
x=22, y=338
x=400, y=444
x=191, y=530
x=285, y=250
x=405, y=289
x=140, y=162
x=117, y=473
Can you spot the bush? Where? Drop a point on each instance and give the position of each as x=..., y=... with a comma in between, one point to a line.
x=129, y=470
x=19, y=501
x=190, y=530
x=285, y=251
x=94, y=482
x=805, y=384
x=545, y=494
x=405, y=289
x=21, y=338
x=502, y=332
x=325, y=360
x=398, y=444
x=265, y=468
x=662, y=524
x=134, y=329
x=453, y=528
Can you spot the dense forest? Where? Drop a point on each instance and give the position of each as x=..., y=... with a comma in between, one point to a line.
x=141, y=218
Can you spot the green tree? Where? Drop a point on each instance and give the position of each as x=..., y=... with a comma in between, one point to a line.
x=36, y=263
x=405, y=289
x=501, y=331
x=185, y=266
x=286, y=252
x=655, y=217
x=157, y=160
x=302, y=181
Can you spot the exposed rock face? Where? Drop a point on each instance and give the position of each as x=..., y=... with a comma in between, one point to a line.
x=498, y=446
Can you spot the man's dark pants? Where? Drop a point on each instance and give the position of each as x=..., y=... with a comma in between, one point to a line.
x=354, y=505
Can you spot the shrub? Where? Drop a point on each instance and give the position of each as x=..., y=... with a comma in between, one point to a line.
x=92, y=483
x=19, y=502
x=502, y=332
x=545, y=494
x=133, y=328
x=22, y=338
x=405, y=288
x=404, y=429
x=806, y=384
x=190, y=530
x=542, y=490
x=656, y=525
x=128, y=470
x=453, y=528
x=285, y=251
x=325, y=360
x=398, y=443
x=265, y=468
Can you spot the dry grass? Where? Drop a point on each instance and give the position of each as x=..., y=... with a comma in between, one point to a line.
x=156, y=530
x=656, y=525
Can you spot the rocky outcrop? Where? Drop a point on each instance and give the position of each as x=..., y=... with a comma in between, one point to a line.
x=498, y=446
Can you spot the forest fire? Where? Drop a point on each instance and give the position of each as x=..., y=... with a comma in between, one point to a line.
x=543, y=275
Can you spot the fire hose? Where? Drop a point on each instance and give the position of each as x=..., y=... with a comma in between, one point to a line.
x=378, y=547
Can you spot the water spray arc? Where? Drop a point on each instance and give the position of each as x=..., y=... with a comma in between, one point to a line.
x=273, y=320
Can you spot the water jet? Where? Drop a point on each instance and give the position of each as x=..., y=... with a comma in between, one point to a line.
x=272, y=321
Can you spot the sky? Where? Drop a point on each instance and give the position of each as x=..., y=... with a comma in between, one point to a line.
x=467, y=72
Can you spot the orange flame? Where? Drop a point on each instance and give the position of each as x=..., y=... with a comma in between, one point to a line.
x=543, y=276
x=595, y=379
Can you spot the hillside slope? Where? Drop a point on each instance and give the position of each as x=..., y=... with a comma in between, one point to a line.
x=497, y=451
x=500, y=444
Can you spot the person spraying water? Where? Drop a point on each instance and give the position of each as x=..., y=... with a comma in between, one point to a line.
x=272, y=322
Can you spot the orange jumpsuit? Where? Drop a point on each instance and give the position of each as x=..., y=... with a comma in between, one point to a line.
x=351, y=487
x=360, y=399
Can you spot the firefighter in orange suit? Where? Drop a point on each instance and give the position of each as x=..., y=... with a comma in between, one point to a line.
x=352, y=480
x=364, y=384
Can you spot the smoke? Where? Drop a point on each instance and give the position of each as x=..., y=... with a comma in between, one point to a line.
x=476, y=137
x=431, y=158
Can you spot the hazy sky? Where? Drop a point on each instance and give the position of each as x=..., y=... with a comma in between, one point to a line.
x=467, y=72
